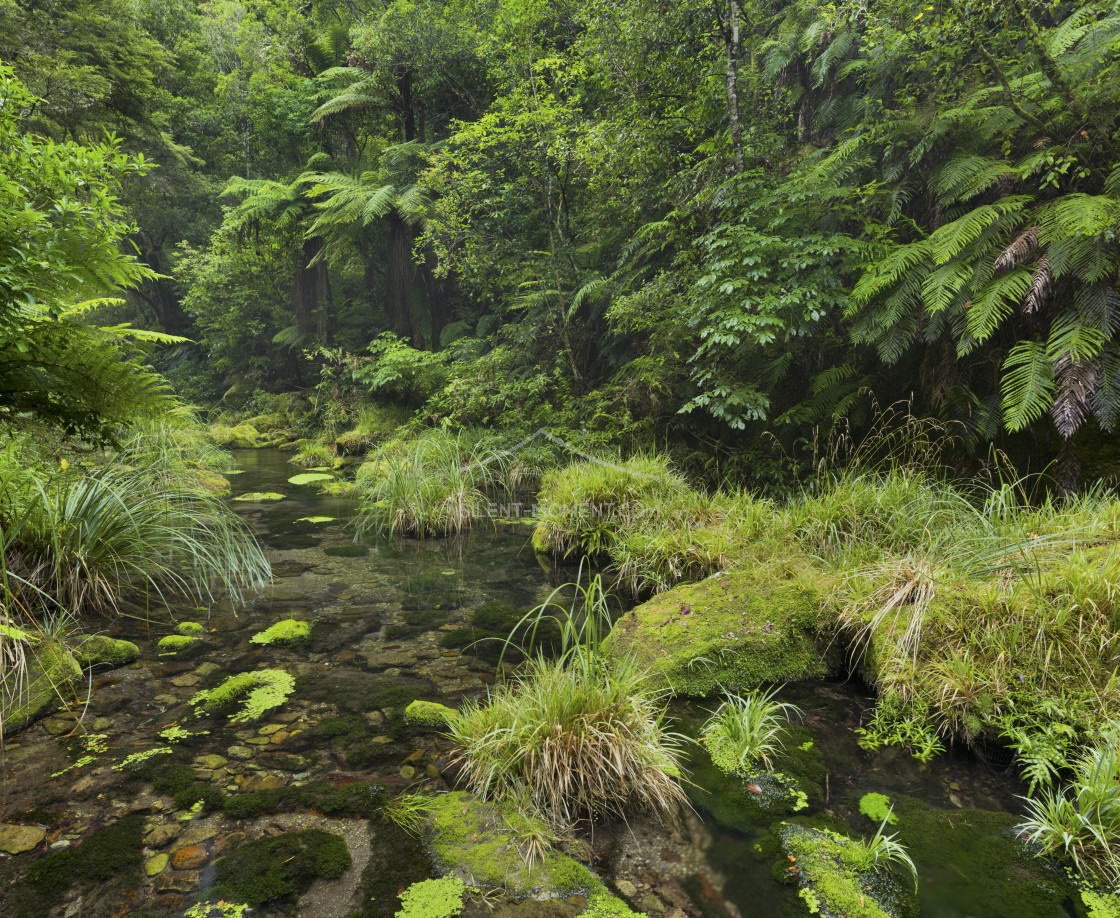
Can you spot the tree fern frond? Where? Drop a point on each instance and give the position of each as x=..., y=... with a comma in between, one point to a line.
x=1019, y=250
x=1042, y=285
x=950, y=240
x=1070, y=336
x=996, y=302
x=1106, y=398
x=1075, y=383
x=1027, y=385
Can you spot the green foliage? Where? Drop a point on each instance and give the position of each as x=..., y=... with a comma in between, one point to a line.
x=745, y=729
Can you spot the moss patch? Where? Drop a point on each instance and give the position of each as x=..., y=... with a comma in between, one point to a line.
x=52, y=679
x=428, y=714
x=483, y=844
x=362, y=800
x=175, y=643
x=260, y=691
x=440, y=898
x=737, y=629
x=269, y=869
x=189, y=628
x=288, y=631
x=877, y=807
x=109, y=861
x=837, y=876
x=100, y=650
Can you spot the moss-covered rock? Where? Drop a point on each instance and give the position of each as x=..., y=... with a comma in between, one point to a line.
x=52, y=678
x=838, y=876
x=485, y=844
x=189, y=628
x=428, y=714
x=240, y=436
x=288, y=631
x=175, y=643
x=101, y=650
x=737, y=629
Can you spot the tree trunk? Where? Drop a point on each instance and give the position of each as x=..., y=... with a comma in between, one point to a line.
x=1067, y=471
x=732, y=84
x=400, y=273
x=311, y=291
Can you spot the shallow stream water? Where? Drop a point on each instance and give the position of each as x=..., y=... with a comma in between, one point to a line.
x=390, y=624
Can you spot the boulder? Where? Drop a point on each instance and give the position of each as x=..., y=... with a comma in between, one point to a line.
x=18, y=839
x=52, y=678
x=99, y=650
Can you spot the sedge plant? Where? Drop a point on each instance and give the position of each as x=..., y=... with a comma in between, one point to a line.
x=747, y=729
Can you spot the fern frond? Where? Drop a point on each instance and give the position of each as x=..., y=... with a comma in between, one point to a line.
x=996, y=302
x=1027, y=385
x=1075, y=381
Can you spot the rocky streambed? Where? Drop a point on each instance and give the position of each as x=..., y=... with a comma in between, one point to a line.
x=150, y=795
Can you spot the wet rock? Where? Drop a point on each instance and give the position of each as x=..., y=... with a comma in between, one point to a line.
x=61, y=724
x=211, y=761
x=101, y=650
x=227, y=843
x=278, y=738
x=205, y=670
x=258, y=741
x=269, y=729
x=18, y=839
x=197, y=836
x=188, y=858
x=156, y=865
x=163, y=834
x=627, y=888
x=239, y=752
x=408, y=772
x=165, y=699
x=186, y=681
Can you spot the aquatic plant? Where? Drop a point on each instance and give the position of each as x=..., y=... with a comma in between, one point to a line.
x=746, y=729
x=259, y=691
x=271, y=868
x=440, y=898
x=312, y=453
x=1082, y=819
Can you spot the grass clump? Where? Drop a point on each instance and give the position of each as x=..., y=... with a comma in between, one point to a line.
x=259, y=691
x=746, y=729
x=313, y=454
x=575, y=737
x=1081, y=820
x=269, y=869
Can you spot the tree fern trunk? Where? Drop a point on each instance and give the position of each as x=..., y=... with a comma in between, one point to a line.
x=1067, y=472
x=400, y=272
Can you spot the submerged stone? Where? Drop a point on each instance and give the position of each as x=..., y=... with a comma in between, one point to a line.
x=736, y=629
x=288, y=631
x=18, y=839
x=175, y=643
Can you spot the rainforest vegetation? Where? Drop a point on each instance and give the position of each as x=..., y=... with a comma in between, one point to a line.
x=795, y=324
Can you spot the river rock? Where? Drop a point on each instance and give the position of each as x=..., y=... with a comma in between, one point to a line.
x=154, y=866
x=186, y=681
x=18, y=839
x=101, y=650
x=52, y=678
x=205, y=670
x=239, y=752
x=188, y=858
x=211, y=761
x=162, y=835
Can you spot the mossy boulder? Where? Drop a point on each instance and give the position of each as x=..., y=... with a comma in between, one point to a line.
x=288, y=631
x=352, y=443
x=53, y=675
x=240, y=436
x=736, y=629
x=172, y=644
x=839, y=876
x=100, y=650
x=189, y=628
x=485, y=844
x=428, y=714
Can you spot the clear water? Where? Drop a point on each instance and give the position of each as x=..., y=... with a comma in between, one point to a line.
x=383, y=610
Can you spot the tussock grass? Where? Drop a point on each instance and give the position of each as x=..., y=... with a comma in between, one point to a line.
x=577, y=737
x=313, y=454
x=746, y=729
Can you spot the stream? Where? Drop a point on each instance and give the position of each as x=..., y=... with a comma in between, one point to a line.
x=392, y=619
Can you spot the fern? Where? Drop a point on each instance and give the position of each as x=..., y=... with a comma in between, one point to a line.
x=1028, y=384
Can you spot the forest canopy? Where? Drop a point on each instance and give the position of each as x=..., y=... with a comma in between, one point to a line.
x=729, y=228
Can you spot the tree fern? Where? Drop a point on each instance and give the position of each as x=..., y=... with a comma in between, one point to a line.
x=1028, y=384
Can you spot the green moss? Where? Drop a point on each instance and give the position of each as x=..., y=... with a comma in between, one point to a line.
x=603, y=905
x=838, y=875
x=108, y=861
x=288, y=631
x=975, y=856
x=242, y=436
x=360, y=800
x=483, y=843
x=737, y=629
x=100, y=650
x=175, y=643
x=269, y=869
x=428, y=713
x=52, y=680
x=259, y=690
x=177, y=780
x=189, y=628
x=440, y=898
x=877, y=807
x=259, y=496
